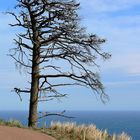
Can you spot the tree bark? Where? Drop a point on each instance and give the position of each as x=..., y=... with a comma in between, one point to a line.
x=34, y=88
x=33, y=114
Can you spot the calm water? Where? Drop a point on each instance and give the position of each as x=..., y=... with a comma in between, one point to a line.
x=113, y=121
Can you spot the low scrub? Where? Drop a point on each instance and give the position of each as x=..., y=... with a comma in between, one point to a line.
x=11, y=123
x=70, y=131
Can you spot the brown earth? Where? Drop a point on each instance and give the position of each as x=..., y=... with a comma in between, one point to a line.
x=13, y=133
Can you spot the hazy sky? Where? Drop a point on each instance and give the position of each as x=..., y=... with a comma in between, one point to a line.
x=119, y=22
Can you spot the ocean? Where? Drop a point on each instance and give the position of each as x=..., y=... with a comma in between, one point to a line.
x=113, y=121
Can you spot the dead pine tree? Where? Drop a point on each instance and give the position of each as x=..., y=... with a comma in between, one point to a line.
x=56, y=51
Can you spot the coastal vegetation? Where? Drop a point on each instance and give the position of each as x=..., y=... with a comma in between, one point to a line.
x=71, y=131
x=11, y=123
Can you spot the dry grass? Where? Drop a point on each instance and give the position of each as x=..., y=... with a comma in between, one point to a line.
x=11, y=123
x=70, y=131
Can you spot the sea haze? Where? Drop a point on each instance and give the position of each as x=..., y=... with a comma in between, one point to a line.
x=113, y=121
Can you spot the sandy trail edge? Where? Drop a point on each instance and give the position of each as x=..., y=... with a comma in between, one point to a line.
x=13, y=133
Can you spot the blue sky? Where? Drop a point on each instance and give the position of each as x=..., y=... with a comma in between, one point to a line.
x=119, y=22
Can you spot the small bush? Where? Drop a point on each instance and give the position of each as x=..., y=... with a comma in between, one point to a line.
x=2, y=122
x=12, y=123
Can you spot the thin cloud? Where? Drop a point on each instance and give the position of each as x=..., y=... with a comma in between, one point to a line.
x=5, y=21
x=122, y=33
x=128, y=63
x=122, y=83
x=109, y=5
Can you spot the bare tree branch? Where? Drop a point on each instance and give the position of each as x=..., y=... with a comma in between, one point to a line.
x=61, y=114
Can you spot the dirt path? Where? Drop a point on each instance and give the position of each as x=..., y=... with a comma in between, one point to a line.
x=12, y=133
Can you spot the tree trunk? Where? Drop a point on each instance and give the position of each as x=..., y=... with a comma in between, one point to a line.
x=34, y=88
